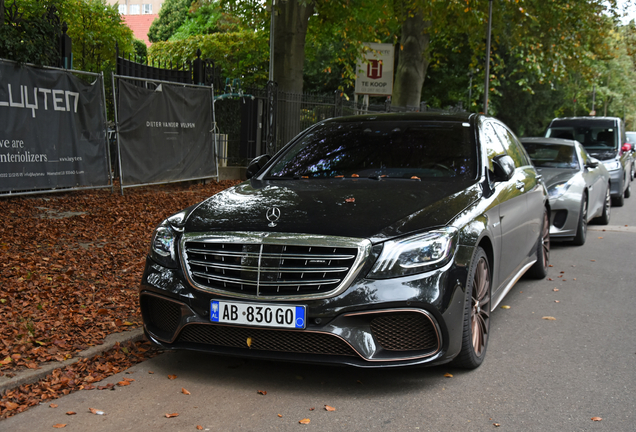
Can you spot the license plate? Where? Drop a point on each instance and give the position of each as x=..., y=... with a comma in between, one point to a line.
x=258, y=314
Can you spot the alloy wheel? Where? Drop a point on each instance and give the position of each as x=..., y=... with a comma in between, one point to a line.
x=480, y=310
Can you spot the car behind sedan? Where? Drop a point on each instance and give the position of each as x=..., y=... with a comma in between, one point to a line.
x=578, y=186
x=372, y=241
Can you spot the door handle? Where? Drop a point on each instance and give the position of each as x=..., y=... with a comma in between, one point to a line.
x=520, y=185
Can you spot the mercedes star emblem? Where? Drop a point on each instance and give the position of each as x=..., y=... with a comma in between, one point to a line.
x=273, y=214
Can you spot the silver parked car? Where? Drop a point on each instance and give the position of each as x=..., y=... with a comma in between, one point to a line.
x=578, y=186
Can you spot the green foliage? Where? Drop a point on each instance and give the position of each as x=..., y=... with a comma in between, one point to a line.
x=141, y=50
x=173, y=13
x=96, y=29
x=31, y=32
x=243, y=54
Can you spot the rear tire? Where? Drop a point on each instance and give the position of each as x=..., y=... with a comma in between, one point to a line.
x=539, y=269
x=476, y=327
x=581, y=227
x=628, y=191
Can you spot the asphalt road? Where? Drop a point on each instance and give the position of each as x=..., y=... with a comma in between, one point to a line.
x=539, y=374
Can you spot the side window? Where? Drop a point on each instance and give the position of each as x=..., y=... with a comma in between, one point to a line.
x=491, y=142
x=512, y=146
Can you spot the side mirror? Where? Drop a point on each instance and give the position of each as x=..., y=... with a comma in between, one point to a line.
x=626, y=147
x=591, y=163
x=504, y=168
x=256, y=165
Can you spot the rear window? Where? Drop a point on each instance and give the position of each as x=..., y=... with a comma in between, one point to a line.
x=381, y=149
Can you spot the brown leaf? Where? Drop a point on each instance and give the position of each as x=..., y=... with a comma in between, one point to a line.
x=596, y=419
x=350, y=200
x=549, y=318
x=496, y=424
x=304, y=421
x=123, y=383
x=59, y=425
x=96, y=411
x=199, y=427
x=505, y=307
x=11, y=405
x=184, y=391
x=70, y=413
x=555, y=289
x=355, y=175
x=262, y=392
x=329, y=408
x=447, y=375
x=53, y=405
x=172, y=415
x=172, y=377
x=279, y=415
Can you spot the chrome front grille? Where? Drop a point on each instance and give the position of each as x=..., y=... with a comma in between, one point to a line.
x=274, y=265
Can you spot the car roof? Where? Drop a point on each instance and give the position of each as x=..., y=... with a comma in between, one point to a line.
x=410, y=116
x=578, y=121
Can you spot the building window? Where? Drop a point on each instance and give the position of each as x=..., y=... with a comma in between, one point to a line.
x=134, y=9
x=147, y=9
x=122, y=9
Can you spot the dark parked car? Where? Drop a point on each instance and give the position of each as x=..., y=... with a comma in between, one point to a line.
x=578, y=186
x=603, y=138
x=372, y=241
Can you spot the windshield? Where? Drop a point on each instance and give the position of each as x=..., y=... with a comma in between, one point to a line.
x=631, y=137
x=593, y=137
x=552, y=155
x=374, y=149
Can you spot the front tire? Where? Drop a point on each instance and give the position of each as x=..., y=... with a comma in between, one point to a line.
x=604, y=218
x=539, y=270
x=476, y=326
x=581, y=227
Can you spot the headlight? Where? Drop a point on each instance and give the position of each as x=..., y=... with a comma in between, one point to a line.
x=162, y=246
x=613, y=165
x=558, y=190
x=415, y=254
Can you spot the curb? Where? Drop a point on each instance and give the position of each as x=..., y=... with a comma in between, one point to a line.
x=30, y=376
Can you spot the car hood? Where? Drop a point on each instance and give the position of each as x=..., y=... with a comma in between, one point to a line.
x=554, y=176
x=603, y=154
x=362, y=208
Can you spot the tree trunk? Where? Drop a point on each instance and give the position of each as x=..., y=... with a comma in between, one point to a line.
x=412, y=63
x=290, y=29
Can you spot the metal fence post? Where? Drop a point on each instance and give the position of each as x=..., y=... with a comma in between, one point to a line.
x=272, y=98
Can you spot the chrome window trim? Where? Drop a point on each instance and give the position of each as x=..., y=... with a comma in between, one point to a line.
x=290, y=239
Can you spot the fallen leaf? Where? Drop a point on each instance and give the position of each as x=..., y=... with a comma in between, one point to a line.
x=279, y=415
x=496, y=424
x=415, y=178
x=53, y=405
x=184, y=391
x=150, y=372
x=172, y=415
x=172, y=377
x=593, y=260
x=600, y=238
x=199, y=427
x=550, y=279
x=11, y=405
x=96, y=411
x=70, y=413
x=262, y=392
x=312, y=408
x=505, y=307
x=59, y=425
x=447, y=375
x=555, y=289
x=304, y=421
x=350, y=200
x=249, y=342
x=557, y=301
x=355, y=175
x=329, y=408
x=596, y=419
x=123, y=383
x=549, y=318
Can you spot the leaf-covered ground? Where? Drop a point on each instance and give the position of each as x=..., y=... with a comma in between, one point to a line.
x=70, y=265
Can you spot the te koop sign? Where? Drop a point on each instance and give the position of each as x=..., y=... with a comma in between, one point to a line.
x=375, y=75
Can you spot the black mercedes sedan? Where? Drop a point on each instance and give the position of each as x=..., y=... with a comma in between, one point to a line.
x=372, y=241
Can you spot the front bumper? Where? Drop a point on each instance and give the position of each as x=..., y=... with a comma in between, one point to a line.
x=374, y=323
